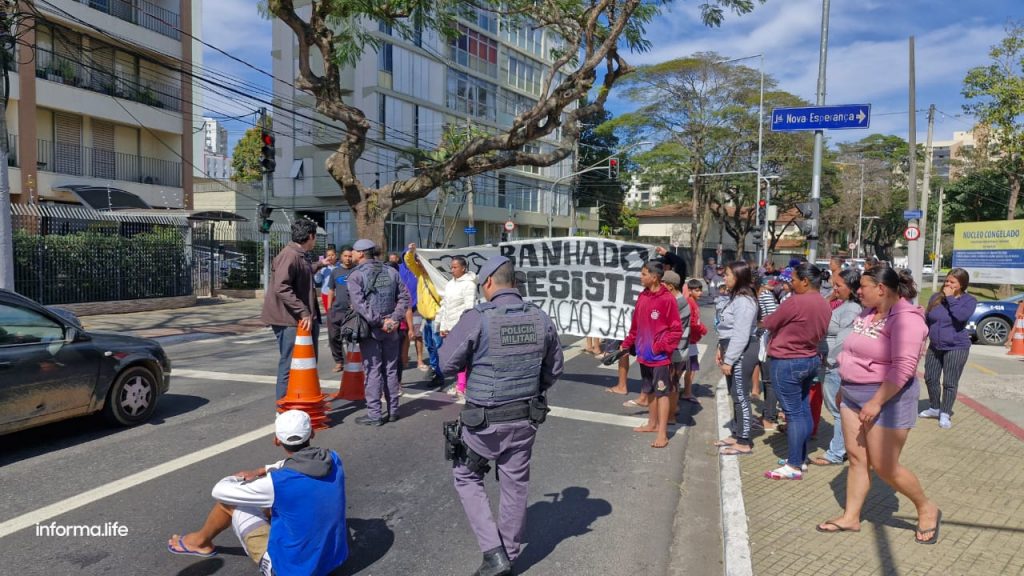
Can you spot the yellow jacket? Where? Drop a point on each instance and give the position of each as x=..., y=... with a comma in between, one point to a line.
x=428, y=301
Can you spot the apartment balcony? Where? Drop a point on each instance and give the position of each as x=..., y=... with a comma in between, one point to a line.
x=106, y=165
x=56, y=68
x=141, y=13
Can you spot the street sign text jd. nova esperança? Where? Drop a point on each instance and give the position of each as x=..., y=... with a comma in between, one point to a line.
x=839, y=117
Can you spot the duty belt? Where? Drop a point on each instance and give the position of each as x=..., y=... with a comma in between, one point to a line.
x=519, y=410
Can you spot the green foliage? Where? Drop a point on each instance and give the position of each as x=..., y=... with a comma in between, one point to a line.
x=596, y=188
x=996, y=97
x=245, y=159
x=976, y=197
x=101, y=265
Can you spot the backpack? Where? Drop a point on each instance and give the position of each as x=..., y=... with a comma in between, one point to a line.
x=697, y=328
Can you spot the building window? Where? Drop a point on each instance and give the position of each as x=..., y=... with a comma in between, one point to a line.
x=386, y=58
x=524, y=75
x=487, y=20
x=516, y=104
x=525, y=36
x=394, y=230
x=475, y=51
x=471, y=96
x=531, y=149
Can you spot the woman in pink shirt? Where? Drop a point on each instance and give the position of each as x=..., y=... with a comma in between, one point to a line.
x=879, y=398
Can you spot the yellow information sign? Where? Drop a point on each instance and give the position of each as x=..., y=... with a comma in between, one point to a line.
x=993, y=252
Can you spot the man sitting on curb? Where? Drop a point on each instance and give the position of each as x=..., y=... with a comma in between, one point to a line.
x=304, y=497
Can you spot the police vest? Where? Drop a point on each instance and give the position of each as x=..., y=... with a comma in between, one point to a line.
x=507, y=361
x=382, y=295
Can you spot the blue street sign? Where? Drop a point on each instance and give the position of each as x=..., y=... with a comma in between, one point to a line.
x=469, y=230
x=840, y=117
x=912, y=214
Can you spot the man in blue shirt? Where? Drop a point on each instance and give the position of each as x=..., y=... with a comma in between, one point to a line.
x=305, y=497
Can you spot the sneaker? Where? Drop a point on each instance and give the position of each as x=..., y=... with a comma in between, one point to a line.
x=784, y=473
x=944, y=422
x=783, y=461
x=929, y=413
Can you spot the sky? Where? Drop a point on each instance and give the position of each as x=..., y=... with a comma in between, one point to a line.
x=867, y=53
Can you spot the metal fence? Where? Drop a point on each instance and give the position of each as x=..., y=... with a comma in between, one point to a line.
x=71, y=254
x=145, y=14
x=106, y=164
x=65, y=255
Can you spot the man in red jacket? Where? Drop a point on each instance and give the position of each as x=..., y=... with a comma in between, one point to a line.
x=655, y=332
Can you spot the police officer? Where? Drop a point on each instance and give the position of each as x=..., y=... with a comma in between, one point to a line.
x=378, y=295
x=511, y=351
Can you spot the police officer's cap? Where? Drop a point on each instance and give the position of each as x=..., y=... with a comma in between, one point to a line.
x=362, y=245
x=489, y=267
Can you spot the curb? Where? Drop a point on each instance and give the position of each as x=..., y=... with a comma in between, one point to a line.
x=735, y=537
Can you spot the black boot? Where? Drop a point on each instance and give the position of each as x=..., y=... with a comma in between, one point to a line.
x=495, y=563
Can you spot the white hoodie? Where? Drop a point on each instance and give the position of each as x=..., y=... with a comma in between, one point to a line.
x=459, y=295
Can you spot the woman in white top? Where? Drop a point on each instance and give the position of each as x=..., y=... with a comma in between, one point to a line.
x=459, y=295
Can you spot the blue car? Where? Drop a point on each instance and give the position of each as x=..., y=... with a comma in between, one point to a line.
x=993, y=320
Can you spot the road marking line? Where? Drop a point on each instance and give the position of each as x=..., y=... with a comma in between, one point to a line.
x=253, y=341
x=85, y=498
x=983, y=370
x=241, y=378
x=738, y=561
x=568, y=413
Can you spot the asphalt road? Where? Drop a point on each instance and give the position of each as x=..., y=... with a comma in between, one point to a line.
x=601, y=500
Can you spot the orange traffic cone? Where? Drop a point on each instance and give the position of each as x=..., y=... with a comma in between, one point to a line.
x=352, y=379
x=1017, y=339
x=304, y=383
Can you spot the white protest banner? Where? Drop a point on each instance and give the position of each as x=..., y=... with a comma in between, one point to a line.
x=588, y=286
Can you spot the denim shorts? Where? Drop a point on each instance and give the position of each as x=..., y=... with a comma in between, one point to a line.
x=900, y=412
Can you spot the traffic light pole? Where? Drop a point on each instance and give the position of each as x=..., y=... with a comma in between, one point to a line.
x=819, y=135
x=266, y=201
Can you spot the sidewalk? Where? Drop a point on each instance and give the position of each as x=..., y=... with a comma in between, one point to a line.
x=209, y=316
x=974, y=471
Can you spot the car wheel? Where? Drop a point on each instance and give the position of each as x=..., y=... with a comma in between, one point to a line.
x=993, y=331
x=132, y=398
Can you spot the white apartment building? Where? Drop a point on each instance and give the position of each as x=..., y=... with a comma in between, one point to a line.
x=410, y=90
x=215, y=137
x=642, y=194
x=945, y=152
x=105, y=108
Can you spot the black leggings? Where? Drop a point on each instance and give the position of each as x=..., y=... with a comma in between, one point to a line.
x=740, y=383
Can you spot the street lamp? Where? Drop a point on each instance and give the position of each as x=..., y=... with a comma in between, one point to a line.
x=599, y=165
x=760, y=120
x=860, y=218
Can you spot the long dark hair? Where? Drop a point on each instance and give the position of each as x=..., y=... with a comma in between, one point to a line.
x=961, y=276
x=744, y=284
x=851, y=278
x=901, y=282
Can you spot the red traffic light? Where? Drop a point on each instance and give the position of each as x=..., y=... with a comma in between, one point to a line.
x=268, y=139
x=762, y=203
x=613, y=162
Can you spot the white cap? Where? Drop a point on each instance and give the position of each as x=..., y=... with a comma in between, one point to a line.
x=293, y=427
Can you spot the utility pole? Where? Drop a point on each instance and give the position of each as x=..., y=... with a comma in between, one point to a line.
x=819, y=135
x=917, y=264
x=6, y=226
x=860, y=216
x=266, y=201
x=912, y=246
x=937, y=246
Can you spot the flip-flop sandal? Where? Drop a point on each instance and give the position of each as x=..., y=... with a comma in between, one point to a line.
x=836, y=531
x=723, y=443
x=184, y=551
x=934, y=531
x=731, y=451
x=824, y=462
x=634, y=404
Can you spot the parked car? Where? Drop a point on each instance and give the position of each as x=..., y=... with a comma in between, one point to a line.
x=993, y=319
x=52, y=369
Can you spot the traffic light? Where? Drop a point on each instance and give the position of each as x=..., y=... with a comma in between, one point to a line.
x=809, y=211
x=613, y=168
x=268, y=161
x=762, y=211
x=265, y=221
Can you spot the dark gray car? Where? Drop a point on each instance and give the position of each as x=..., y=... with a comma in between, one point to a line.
x=52, y=369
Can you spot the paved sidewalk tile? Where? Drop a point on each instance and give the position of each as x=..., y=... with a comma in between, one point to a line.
x=210, y=316
x=974, y=471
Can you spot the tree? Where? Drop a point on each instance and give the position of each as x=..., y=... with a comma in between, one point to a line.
x=333, y=32
x=245, y=158
x=596, y=188
x=996, y=92
x=702, y=112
